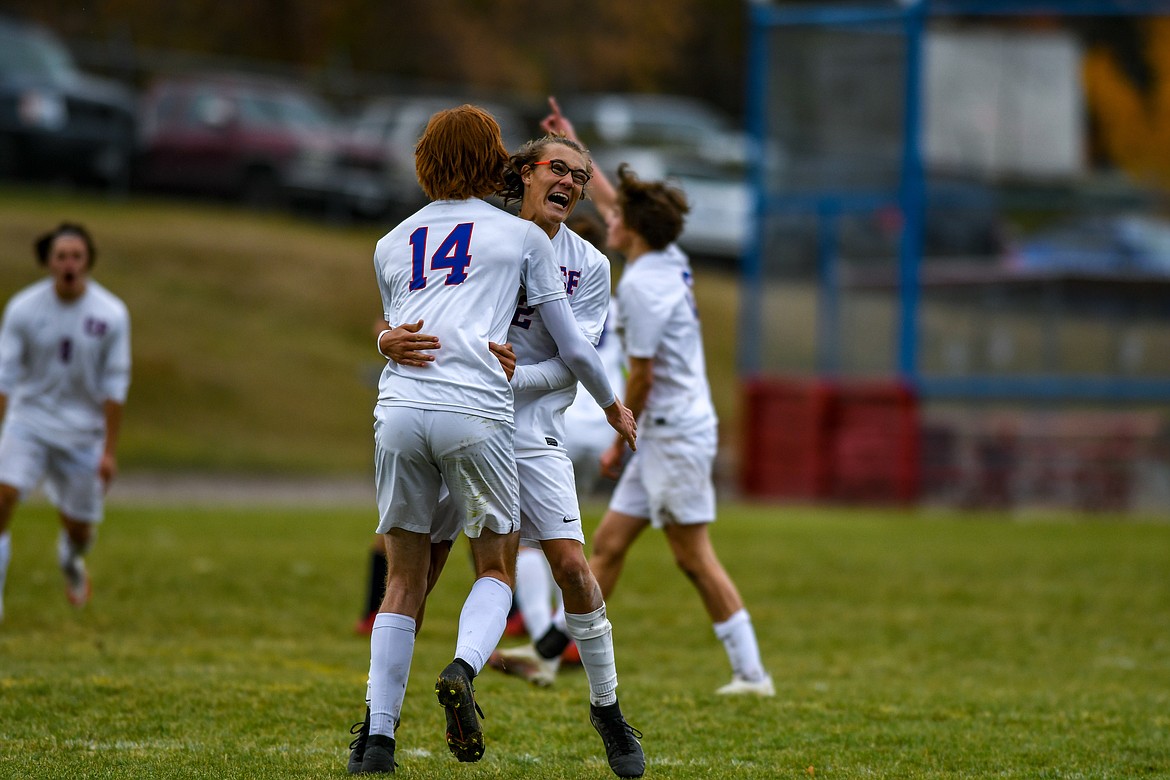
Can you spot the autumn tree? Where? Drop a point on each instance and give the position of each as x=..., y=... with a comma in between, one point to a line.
x=1132, y=119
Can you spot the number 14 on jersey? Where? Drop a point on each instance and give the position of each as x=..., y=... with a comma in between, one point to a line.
x=453, y=256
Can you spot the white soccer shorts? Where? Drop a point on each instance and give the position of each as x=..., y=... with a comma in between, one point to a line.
x=670, y=480
x=448, y=521
x=417, y=450
x=548, y=499
x=548, y=503
x=70, y=474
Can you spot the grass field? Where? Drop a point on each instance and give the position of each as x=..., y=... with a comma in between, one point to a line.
x=908, y=645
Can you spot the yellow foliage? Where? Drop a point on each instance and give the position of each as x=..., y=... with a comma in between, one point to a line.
x=1134, y=127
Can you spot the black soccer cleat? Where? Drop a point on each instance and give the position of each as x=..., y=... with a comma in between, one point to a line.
x=456, y=695
x=379, y=756
x=357, y=748
x=622, y=748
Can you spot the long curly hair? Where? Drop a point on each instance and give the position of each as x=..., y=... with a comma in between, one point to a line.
x=461, y=155
x=653, y=209
x=531, y=152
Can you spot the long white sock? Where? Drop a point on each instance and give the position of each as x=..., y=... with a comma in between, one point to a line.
x=594, y=637
x=391, y=649
x=739, y=640
x=533, y=591
x=482, y=621
x=5, y=557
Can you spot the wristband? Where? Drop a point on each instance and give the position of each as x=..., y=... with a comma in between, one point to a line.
x=378, y=343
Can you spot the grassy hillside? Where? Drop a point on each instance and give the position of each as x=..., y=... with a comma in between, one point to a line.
x=253, y=346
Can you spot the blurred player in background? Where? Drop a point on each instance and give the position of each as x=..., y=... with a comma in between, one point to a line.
x=64, y=377
x=586, y=437
x=451, y=422
x=668, y=483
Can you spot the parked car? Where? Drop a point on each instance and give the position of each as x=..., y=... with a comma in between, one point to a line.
x=720, y=217
x=682, y=140
x=56, y=121
x=1113, y=245
x=674, y=124
x=394, y=124
x=264, y=141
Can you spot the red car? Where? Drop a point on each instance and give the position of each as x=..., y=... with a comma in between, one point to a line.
x=264, y=141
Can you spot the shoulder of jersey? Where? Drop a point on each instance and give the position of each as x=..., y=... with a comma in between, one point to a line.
x=580, y=244
x=37, y=288
x=106, y=295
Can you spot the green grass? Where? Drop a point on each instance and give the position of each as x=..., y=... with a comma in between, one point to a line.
x=253, y=334
x=911, y=645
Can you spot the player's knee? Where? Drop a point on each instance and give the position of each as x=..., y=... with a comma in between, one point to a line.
x=575, y=577
x=606, y=547
x=688, y=564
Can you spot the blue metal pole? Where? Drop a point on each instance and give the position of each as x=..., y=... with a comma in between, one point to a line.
x=751, y=263
x=912, y=195
x=828, y=347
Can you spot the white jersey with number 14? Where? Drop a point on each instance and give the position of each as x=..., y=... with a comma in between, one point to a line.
x=458, y=265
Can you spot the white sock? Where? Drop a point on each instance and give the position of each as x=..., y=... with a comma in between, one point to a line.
x=482, y=621
x=533, y=591
x=594, y=637
x=739, y=640
x=5, y=557
x=391, y=649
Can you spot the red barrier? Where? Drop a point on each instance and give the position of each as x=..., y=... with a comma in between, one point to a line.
x=786, y=448
x=848, y=441
x=876, y=443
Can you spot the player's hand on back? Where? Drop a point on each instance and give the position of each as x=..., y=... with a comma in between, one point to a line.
x=407, y=346
x=506, y=356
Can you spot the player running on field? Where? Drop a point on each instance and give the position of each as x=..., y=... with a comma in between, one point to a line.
x=64, y=376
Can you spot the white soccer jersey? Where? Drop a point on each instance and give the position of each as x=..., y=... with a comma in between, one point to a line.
x=657, y=318
x=458, y=265
x=60, y=361
x=540, y=423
